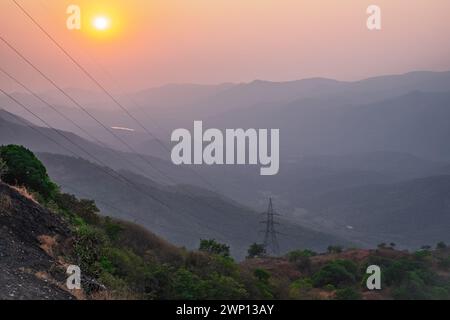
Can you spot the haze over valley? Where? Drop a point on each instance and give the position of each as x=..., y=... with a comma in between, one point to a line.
x=361, y=162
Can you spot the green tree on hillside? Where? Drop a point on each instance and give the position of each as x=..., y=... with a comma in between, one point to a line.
x=256, y=250
x=213, y=247
x=337, y=273
x=441, y=246
x=24, y=169
x=86, y=209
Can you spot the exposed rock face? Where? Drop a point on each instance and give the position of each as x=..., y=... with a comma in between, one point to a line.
x=31, y=238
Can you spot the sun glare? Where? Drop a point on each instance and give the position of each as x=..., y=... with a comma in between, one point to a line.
x=101, y=23
x=104, y=23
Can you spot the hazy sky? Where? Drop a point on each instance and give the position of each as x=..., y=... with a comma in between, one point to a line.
x=214, y=41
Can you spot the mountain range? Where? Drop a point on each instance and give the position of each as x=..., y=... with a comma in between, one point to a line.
x=361, y=162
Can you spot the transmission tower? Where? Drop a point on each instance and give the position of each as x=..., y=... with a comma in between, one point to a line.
x=270, y=234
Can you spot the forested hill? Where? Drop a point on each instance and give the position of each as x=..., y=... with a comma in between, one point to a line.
x=43, y=231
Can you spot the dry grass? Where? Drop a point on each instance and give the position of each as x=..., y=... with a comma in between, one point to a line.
x=25, y=193
x=48, y=243
x=45, y=276
x=145, y=243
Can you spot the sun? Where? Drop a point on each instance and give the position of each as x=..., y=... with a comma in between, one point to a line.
x=101, y=23
x=104, y=23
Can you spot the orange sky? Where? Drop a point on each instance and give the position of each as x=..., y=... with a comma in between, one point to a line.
x=213, y=41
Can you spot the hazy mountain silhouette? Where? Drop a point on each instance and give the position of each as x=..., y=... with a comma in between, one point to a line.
x=411, y=213
x=337, y=138
x=266, y=103
x=414, y=123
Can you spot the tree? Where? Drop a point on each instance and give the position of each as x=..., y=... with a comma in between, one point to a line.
x=441, y=245
x=262, y=275
x=337, y=273
x=301, y=259
x=213, y=247
x=83, y=208
x=256, y=250
x=24, y=169
x=186, y=285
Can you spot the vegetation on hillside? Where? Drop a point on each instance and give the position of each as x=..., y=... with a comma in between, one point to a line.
x=24, y=169
x=132, y=263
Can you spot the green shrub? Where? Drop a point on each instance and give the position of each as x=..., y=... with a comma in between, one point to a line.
x=213, y=247
x=128, y=266
x=303, y=283
x=441, y=246
x=118, y=286
x=395, y=272
x=262, y=275
x=222, y=287
x=89, y=248
x=256, y=250
x=412, y=287
x=112, y=229
x=337, y=273
x=262, y=284
x=329, y=287
x=422, y=255
x=85, y=209
x=24, y=169
x=299, y=288
x=301, y=259
x=186, y=285
x=293, y=256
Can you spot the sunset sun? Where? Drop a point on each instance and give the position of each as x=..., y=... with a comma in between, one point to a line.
x=101, y=23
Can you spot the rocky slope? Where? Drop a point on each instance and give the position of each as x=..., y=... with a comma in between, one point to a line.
x=31, y=239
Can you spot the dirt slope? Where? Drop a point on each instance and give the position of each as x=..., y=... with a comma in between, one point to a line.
x=30, y=238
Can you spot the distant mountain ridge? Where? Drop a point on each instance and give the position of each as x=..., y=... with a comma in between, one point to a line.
x=338, y=139
x=409, y=213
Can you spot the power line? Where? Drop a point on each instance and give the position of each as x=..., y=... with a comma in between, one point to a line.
x=54, y=84
x=104, y=169
x=78, y=146
x=80, y=106
x=34, y=94
x=98, y=84
x=187, y=193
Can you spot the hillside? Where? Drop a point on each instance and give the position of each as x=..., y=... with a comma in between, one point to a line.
x=411, y=213
x=122, y=260
x=194, y=213
x=28, y=233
